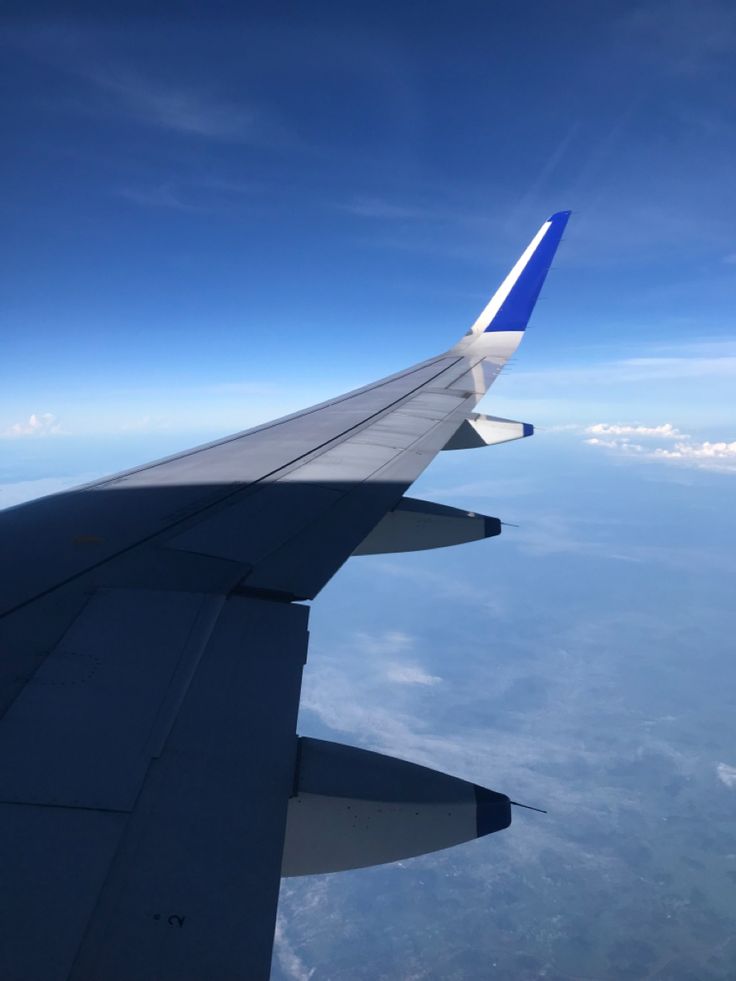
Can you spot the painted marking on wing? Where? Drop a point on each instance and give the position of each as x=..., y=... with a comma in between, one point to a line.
x=501, y=294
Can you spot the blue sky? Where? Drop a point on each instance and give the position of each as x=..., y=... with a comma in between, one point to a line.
x=214, y=217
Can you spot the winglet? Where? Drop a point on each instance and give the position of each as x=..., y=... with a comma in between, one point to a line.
x=511, y=305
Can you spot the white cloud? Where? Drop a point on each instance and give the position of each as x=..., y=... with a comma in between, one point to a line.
x=665, y=431
x=622, y=445
x=37, y=424
x=706, y=455
x=410, y=674
x=719, y=456
x=727, y=774
x=700, y=451
x=291, y=963
x=382, y=651
x=374, y=695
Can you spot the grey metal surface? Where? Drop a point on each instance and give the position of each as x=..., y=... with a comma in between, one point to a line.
x=355, y=808
x=50, y=541
x=143, y=838
x=193, y=890
x=414, y=525
x=84, y=729
x=480, y=430
x=247, y=529
x=53, y=863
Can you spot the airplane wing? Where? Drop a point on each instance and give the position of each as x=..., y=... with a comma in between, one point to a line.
x=153, y=631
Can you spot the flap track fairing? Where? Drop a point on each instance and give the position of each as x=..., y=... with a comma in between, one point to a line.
x=479, y=430
x=414, y=525
x=352, y=808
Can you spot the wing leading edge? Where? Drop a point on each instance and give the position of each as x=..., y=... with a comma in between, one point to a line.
x=153, y=634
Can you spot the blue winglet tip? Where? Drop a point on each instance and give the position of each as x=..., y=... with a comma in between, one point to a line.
x=560, y=218
x=516, y=309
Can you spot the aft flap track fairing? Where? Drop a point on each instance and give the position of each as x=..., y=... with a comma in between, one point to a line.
x=414, y=525
x=352, y=808
x=479, y=430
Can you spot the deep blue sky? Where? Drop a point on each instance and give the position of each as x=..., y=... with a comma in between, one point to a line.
x=209, y=216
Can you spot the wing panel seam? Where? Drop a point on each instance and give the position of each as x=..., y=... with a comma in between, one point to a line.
x=221, y=500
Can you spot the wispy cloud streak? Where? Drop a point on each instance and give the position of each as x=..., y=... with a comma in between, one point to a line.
x=114, y=87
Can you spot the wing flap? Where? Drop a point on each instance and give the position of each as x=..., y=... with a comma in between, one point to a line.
x=194, y=886
x=79, y=734
x=155, y=750
x=54, y=862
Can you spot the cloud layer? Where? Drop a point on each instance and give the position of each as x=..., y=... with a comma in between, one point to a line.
x=665, y=431
x=37, y=424
x=705, y=455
